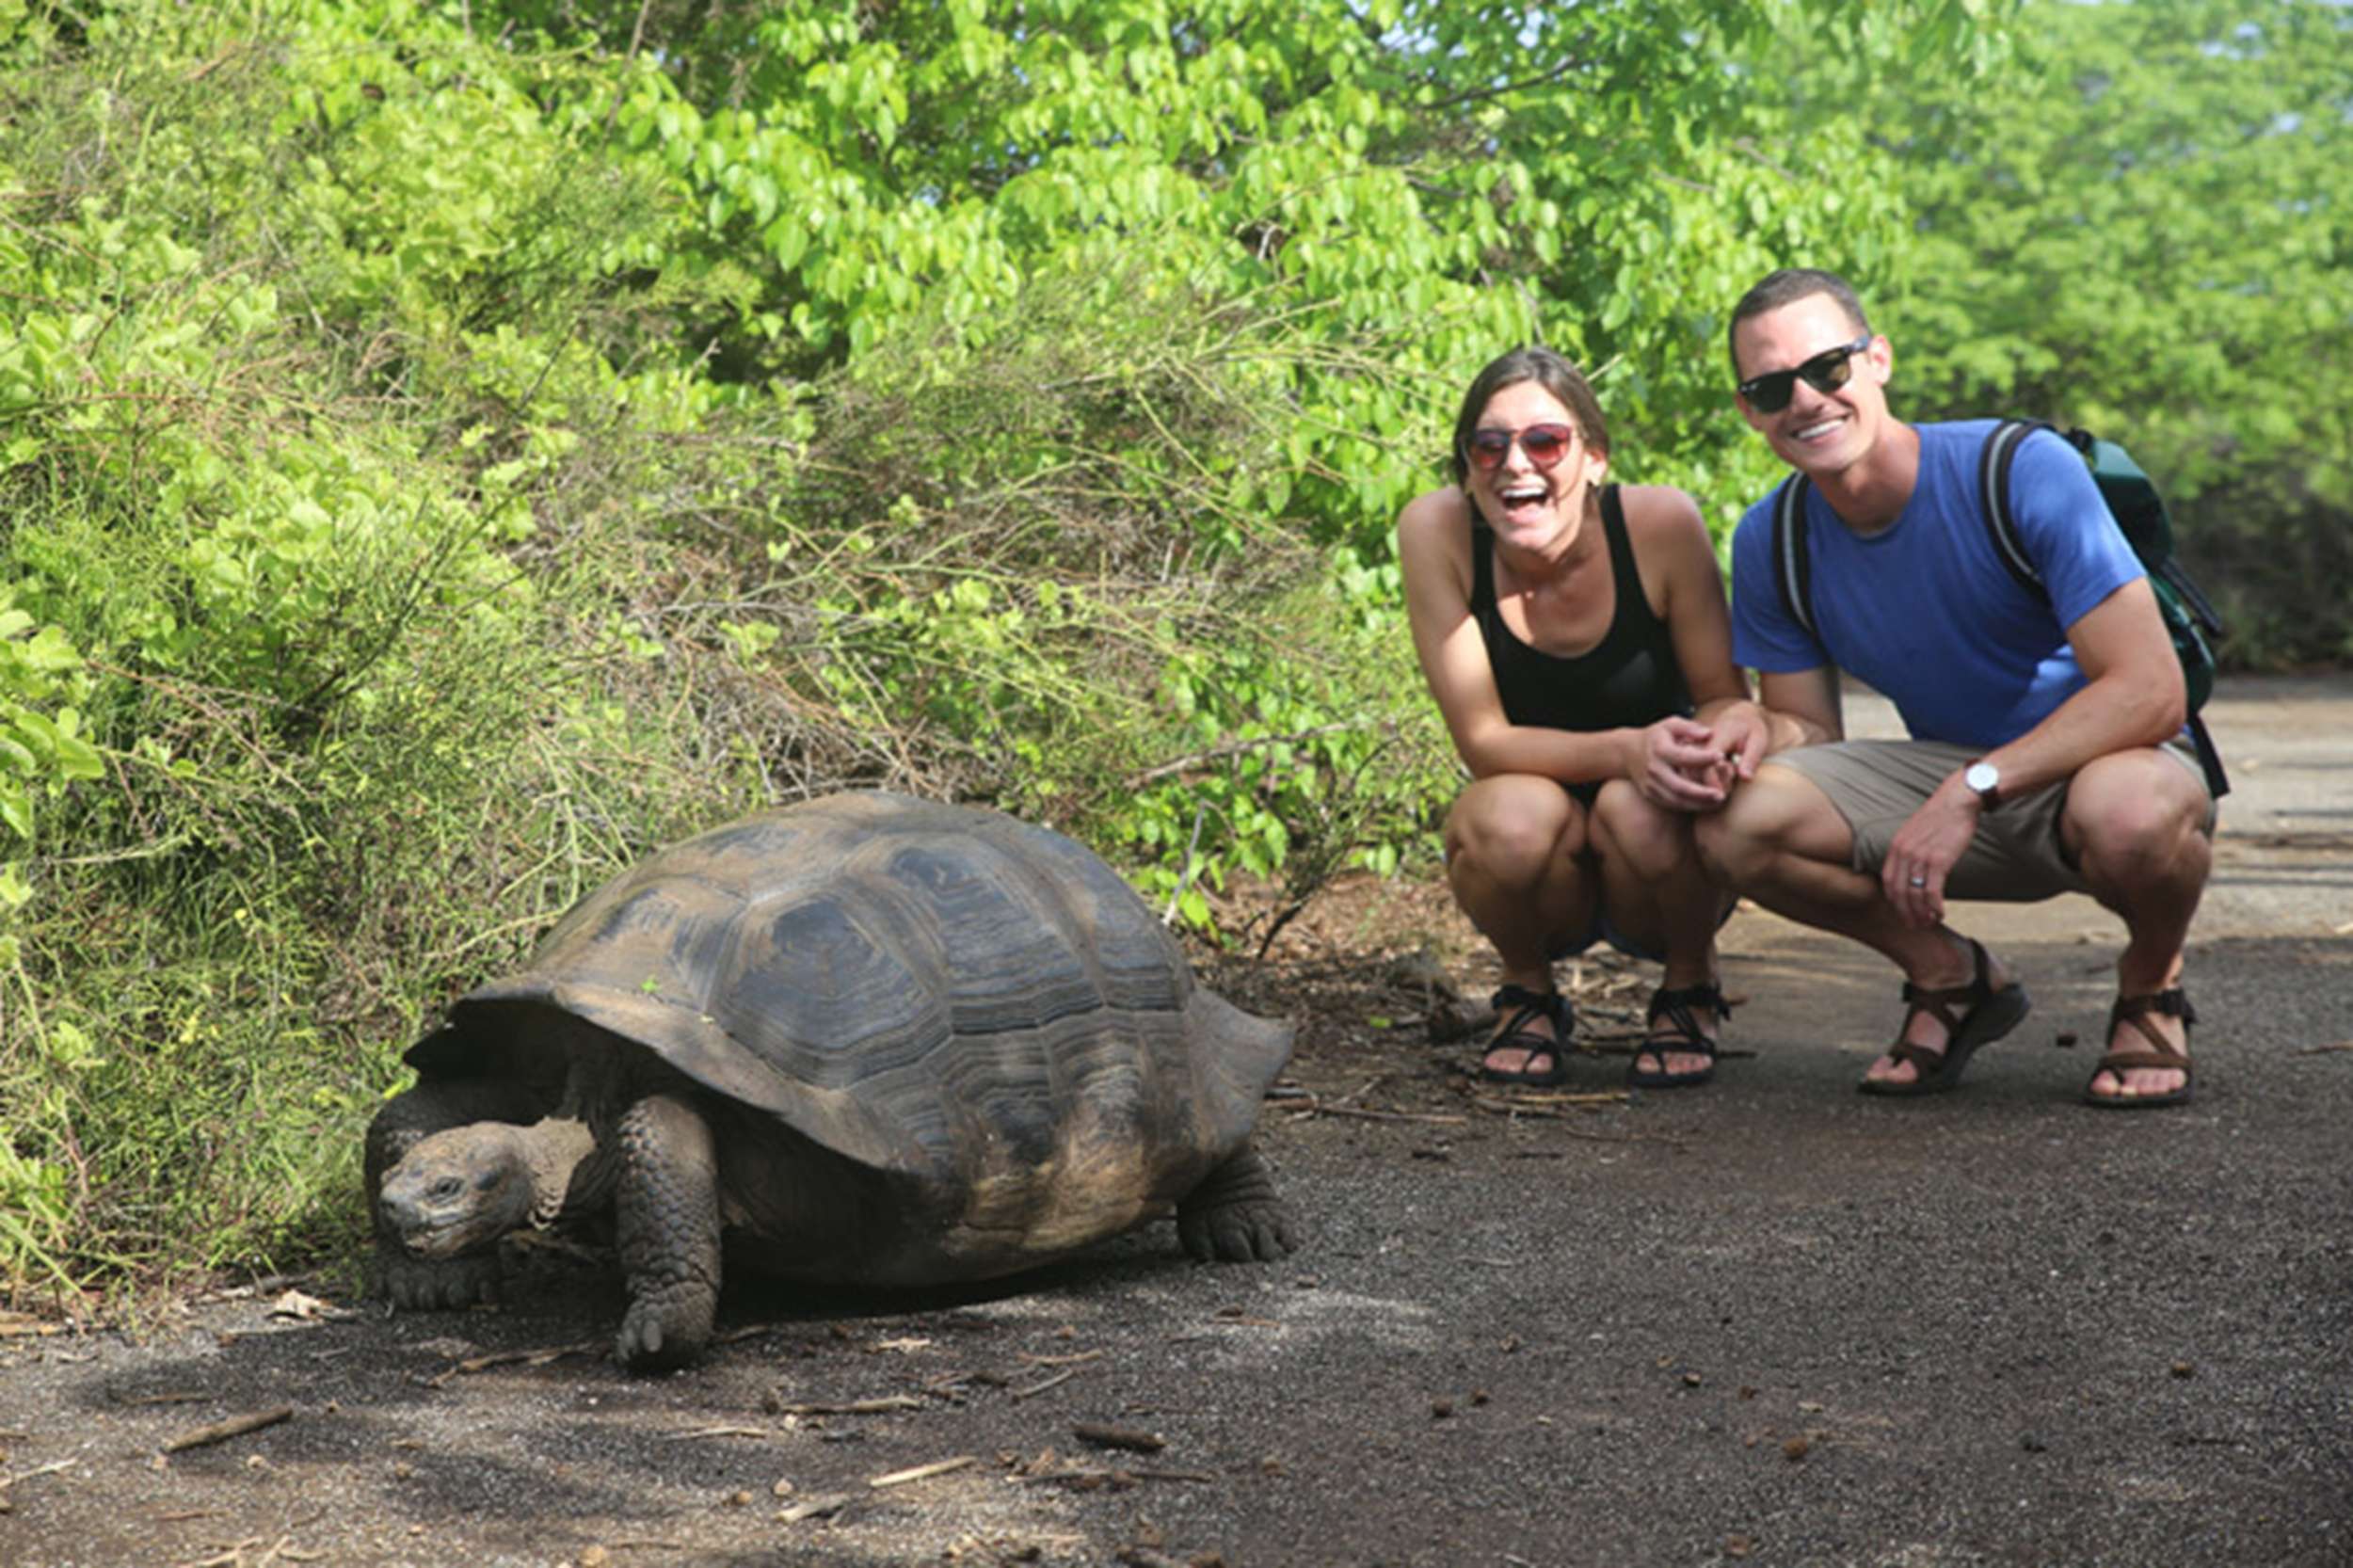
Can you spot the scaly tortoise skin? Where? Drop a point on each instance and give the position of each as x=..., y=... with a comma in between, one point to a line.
x=871, y=1040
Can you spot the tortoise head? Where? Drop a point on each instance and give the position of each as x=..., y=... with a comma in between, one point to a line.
x=459, y=1191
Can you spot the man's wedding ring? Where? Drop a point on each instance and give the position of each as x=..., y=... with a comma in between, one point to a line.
x=1919, y=881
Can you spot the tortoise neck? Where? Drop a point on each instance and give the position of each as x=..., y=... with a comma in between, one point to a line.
x=560, y=1151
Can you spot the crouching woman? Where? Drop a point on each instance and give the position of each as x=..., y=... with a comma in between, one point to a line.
x=1574, y=635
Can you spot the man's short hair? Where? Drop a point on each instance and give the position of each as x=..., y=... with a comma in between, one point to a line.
x=1550, y=370
x=1786, y=287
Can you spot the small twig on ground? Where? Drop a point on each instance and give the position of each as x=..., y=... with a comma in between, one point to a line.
x=2328, y=1049
x=879, y=1406
x=539, y=1357
x=921, y=1472
x=1579, y=1097
x=236, y=1426
x=1119, y=1437
x=50, y=1468
x=718, y=1431
x=1072, y=1360
x=1036, y=1388
x=754, y=1331
x=1365, y=1113
x=1514, y=1108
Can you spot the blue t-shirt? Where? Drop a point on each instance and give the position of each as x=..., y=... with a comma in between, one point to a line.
x=1924, y=610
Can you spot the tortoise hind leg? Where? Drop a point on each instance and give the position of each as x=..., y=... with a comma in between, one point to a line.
x=1236, y=1215
x=667, y=1216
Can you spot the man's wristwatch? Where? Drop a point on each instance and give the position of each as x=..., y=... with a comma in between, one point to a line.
x=1984, y=781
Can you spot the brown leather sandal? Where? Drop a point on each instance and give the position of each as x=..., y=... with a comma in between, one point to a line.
x=1986, y=1015
x=2135, y=1011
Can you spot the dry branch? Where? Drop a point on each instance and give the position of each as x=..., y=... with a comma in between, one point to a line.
x=235, y=1426
x=882, y=1405
x=1036, y=1388
x=1120, y=1437
x=1362, y=1113
x=1036, y=1360
x=921, y=1472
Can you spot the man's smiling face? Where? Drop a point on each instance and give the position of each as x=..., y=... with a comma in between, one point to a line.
x=1820, y=433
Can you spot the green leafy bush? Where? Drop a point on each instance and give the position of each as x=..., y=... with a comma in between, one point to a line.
x=449, y=451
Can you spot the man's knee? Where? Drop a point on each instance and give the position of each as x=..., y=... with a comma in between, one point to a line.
x=1779, y=811
x=2136, y=816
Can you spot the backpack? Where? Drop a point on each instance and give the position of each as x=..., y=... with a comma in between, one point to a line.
x=2189, y=617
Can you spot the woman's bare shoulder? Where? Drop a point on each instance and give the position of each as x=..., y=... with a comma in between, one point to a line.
x=1447, y=507
x=1435, y=522
x=1661, y=508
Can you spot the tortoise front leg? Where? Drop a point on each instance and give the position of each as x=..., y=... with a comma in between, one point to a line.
x=1236, y=1215
x=666, y=1212
x=422, y=1285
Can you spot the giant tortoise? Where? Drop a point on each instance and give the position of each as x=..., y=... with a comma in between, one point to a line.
x=871, y=1040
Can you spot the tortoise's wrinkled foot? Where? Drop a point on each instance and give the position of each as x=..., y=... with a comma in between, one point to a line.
x=1235, y=1215
x=448, y=1284
x=667, y=1221
x=664, y=1330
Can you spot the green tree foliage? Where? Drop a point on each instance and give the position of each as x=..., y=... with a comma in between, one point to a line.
x=449, y=450
x=1450, y=178
x=2142, y=224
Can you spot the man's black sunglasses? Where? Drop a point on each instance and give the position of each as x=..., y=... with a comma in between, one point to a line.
x=1828, y=371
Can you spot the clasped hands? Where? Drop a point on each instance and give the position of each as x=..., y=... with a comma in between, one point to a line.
x=1686, y=765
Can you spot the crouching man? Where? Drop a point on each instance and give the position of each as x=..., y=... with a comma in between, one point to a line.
x=2046, y=752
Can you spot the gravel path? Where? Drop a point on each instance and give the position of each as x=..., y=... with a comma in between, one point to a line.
x=1770, y=1322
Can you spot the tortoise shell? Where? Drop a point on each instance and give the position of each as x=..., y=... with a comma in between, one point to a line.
x=974, y=1010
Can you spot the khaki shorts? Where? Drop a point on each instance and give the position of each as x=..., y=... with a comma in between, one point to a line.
x=2016, y=856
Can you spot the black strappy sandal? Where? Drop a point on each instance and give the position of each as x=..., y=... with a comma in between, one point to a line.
x=1676, y=1007
x=1521, y=1007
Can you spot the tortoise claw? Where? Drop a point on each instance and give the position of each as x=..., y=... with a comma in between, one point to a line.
x=450, y=1283
x=1235, y=1216
x=1239, y=1232
x=660, y=1332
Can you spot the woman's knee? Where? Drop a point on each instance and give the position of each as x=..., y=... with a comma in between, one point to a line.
x=1514, y=825
x=1647, y=839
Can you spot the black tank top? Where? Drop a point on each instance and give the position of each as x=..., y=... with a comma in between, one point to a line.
x=1626, y=680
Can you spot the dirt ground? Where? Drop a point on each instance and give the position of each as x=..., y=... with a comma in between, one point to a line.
x=1772, y=1321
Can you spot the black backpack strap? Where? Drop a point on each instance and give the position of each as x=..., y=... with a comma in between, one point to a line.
x=2209, y=758
x=1792, y=564
x=1994, y=461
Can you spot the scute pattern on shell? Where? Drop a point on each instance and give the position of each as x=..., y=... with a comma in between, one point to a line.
x=975, y=1004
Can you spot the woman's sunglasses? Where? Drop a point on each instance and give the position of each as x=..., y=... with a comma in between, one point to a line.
x=1545, y=445
x=1828, y=371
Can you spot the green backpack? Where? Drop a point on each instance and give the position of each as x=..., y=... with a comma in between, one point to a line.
x=2140, y=512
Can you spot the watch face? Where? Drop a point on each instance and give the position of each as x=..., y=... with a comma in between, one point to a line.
x=1982, y=777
